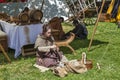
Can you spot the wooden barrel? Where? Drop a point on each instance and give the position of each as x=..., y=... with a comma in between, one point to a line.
x=23, y=18
x=35, y=15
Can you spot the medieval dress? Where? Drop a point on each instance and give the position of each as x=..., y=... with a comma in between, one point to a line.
x=45, y=56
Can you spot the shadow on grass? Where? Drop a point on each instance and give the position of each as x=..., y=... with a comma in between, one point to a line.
x=77, y=43
x=10, y=53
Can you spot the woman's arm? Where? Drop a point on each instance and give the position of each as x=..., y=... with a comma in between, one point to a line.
x=40, y=45
x=46, y=48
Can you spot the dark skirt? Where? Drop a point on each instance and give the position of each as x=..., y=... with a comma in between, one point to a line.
x=48, y=59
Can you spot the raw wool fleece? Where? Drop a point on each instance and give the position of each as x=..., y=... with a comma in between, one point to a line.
x=73, y=66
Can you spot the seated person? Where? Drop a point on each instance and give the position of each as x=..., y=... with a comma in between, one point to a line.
x=48, y=54
x=80, y=30
x=55, y=23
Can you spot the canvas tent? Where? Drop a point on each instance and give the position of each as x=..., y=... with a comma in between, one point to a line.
x=50, y=9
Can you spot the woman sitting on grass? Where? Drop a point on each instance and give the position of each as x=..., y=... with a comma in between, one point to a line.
x=48, y=54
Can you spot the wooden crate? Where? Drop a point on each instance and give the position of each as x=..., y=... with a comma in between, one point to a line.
x=28, y=50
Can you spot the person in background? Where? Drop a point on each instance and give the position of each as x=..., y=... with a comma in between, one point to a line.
x=48, y=54
x=80, y=30
x=55, y=23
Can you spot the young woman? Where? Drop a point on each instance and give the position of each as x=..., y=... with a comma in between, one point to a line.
x=48, y=54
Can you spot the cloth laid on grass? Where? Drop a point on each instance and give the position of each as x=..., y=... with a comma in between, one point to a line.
x=41, y=68
x=18, y=37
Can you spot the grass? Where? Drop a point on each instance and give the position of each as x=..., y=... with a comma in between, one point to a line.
x=105, y=50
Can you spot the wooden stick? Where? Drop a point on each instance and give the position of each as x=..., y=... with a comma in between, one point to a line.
x=5, y=54
x=42, y=5
x=95, y=27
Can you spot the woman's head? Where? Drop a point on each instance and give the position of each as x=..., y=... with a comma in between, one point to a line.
x=46, y=30
x=75, y=22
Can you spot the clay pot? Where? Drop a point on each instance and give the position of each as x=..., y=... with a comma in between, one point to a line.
x=89, y=64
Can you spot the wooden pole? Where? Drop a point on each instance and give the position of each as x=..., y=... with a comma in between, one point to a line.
x=42, y=5
x=95, y=27
x=5, y=54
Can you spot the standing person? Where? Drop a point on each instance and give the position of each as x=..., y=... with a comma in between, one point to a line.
x=80, y=30
x=55, y=23
x=48, y=54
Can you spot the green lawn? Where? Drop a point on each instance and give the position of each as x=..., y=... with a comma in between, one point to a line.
x=105, y=50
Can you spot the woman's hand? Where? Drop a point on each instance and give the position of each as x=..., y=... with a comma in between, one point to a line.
x=53, y=46
x=57, y=48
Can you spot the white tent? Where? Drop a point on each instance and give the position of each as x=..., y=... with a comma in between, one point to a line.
x=50, y=9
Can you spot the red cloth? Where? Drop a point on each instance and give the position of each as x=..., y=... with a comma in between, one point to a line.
x=2, y=1
x=23, y=0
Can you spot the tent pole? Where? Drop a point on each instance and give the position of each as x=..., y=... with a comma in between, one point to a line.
x=42, y=5
x=95, y=27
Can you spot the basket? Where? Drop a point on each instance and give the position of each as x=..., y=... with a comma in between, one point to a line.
x=89, y=64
